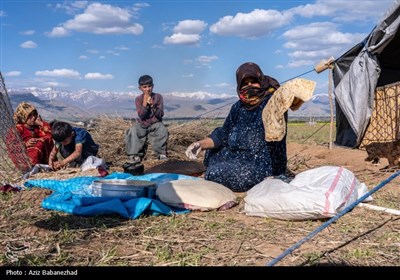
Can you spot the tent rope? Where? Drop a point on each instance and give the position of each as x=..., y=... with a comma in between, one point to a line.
x=298, y=76
x=230, y=103
x=333, y=219
x=304, y=141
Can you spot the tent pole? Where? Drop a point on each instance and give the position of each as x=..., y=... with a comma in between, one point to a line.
x=320, y=67
x=330, y=105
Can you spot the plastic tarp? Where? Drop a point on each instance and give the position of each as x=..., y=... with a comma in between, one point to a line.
x=74, y=196
x=371, y=63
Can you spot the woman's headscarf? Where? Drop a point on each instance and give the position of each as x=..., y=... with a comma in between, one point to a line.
x=22, y=112
x=252, y=97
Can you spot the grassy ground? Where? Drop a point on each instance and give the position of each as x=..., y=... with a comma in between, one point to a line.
x=304, y=133
x=33, y=236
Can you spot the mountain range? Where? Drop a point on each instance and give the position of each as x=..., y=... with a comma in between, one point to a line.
x=86, y=104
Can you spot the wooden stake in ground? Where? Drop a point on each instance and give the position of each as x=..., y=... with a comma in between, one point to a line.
x=330, y=105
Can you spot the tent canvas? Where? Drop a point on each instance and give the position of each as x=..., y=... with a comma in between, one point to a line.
x=373, y=63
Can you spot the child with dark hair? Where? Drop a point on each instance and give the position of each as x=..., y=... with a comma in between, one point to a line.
x=73, y=145
x=149, y=126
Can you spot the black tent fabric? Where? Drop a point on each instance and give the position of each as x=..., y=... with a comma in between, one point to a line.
x=372, y=63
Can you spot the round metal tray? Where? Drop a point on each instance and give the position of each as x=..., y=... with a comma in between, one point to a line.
x=123, y=188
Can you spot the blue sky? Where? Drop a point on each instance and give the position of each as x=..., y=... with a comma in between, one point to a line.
x=186, y=46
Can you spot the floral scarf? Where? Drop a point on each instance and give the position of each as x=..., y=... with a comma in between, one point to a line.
x=22, y=112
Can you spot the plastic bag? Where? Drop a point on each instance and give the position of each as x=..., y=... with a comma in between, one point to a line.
x=93, y=162
x=313, y=194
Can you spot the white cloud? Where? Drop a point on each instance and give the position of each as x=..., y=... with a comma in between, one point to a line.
x=79, y=4
x=252, y=25
x=155, y=46
x=52, y=84
x=13, y=74
x=312, y=42
x=98, y=76
x=83, y=57
x=188, y=76
x=206, y=59
x=101, y=19
x=347, y=11
x=139, y=6
x=184, y=39
x=165, y=26
x=28, y=45
x=112, y=52
x=186, y=32
x=2, y=13
x=73, y=7
x=28, y=32
x=300, y=63
x=199, y=94
x=190, y=27
x=62, y=73
x=58, y=31
x=319, y=35
x=122, y=48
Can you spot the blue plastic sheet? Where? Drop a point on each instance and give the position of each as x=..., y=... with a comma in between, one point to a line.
x=74, y=196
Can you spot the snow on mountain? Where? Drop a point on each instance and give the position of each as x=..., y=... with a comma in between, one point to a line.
x=91, y=103
x=202, y=95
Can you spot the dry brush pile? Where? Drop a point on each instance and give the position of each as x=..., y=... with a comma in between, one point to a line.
x=109, y=133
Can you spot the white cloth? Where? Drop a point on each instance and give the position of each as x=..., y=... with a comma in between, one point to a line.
x=93, y=162
x=36, y=169
x=193, y=150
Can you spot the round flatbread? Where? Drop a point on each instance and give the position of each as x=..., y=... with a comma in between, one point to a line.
x=195, y=194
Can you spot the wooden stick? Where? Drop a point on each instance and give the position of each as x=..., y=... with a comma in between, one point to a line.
x=331, y=107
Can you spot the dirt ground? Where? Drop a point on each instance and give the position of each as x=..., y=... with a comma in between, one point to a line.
x=31, y=235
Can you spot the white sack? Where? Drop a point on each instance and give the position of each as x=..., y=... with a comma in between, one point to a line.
x=313, y=194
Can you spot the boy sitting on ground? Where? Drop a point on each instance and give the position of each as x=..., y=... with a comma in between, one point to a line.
x=73, y=145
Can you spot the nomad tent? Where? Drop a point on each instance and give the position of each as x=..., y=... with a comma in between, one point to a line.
x=358, y=74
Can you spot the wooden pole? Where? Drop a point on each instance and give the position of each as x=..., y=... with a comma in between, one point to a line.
x=331, y=106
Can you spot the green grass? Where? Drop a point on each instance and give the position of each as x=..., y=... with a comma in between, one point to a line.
x=304, y=133
x=301, y=132
x=312, y=258
x=359, y=253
